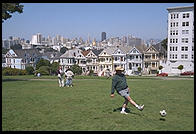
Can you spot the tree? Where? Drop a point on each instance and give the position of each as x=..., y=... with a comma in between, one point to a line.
x=139, y=69
x=164, y=43
x=42, y=62
x=180, y=67
x=9, y=8
x=43, y=70
x=76, y=69
x=63, y=50
x=54, y=67
x=160, y=68
x=29, y=70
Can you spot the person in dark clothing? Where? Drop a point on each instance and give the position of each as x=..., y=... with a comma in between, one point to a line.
x=119, y=84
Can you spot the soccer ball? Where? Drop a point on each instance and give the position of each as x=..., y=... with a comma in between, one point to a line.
x=163, y=113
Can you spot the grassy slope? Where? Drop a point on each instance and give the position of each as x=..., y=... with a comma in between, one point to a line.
x=42, y=105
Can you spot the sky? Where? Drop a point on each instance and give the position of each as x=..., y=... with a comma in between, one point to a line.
x=70, y=20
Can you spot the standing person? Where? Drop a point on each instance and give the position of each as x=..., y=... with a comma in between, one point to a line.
x=60, y=77
x=119, y=84
x=69, y=74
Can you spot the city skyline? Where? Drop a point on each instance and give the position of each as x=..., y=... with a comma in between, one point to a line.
x=143, y=20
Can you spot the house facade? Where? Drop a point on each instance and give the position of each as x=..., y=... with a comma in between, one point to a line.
x=20, y=59
x=151, y=61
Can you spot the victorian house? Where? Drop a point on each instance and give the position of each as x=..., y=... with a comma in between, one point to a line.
x=106, y=60
x=72, y=57
x=135, y=59
x=151, y=60
x=92, y=62
x=22, y=58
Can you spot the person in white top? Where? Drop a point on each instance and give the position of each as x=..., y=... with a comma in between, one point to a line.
x=69, y=74
x=60, y=77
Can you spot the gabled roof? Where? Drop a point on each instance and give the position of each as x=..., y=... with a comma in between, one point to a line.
x=151, y=47
x=52, y=55
x=125, y=49
x=22, y=53
x=141, y=48
x=85, y=52
x=72, y=53
x=96, y=51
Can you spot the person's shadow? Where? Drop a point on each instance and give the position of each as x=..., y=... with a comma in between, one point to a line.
x=126, y=110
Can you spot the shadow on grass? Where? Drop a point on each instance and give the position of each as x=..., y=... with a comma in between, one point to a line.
x=9, y=80
x=126, y=110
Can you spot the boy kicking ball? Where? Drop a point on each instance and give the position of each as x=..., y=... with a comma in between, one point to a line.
x=119, y=84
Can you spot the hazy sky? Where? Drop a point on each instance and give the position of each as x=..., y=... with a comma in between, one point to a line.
x=143, y=20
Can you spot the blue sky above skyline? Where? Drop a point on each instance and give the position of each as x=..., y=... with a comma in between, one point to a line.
x=143, y=20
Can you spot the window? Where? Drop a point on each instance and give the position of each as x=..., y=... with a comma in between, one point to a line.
x=192, y=48
x=186, y=48
x=182, y=48
x=192, y=56
x=171, y=16
x=186, y=56
x=176, y=48
x=173, y=40
x=115, y=58
x=185, y=31
x=184, y=40
x=176, y=15
x=176, y=32
x=170, y=56
x=182, y=56
x=176, y=40
x=170, y=40
x=176, y=24
x=170, y=24
x=175, y=56
x=185, y=15
x=170, y=49
x=185, y=23
x=170, y=32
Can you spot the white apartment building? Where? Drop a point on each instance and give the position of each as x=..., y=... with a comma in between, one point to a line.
x=180, y=40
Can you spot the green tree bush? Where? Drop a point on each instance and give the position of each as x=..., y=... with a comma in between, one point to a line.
x=29, y=70
x=42, y=62
x=76, y=69
x=43, y=70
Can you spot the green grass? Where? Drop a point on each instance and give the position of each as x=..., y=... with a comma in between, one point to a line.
x=42, y=105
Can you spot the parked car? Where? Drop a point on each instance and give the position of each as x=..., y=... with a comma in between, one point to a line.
x=187, y=73
x=162, y=74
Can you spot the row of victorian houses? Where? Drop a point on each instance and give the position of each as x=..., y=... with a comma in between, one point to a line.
x=100, y=61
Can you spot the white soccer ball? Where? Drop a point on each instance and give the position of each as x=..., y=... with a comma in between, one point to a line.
x=163, y=113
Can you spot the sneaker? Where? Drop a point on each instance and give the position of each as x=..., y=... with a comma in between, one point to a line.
x=140, y=107
x=123, y=112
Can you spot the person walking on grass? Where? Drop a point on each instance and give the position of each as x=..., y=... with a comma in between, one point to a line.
x=69, y=74
x=119, y=84
x=60, y=74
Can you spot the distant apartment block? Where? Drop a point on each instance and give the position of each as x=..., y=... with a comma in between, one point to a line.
x=180, y=39
x=103, y=36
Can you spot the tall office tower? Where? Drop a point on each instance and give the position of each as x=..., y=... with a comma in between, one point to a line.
x=34, y=40
x=39, y=38
x=180, y=38
x=103, y=36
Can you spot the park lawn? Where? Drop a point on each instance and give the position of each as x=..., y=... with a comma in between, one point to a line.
x=42, y=105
